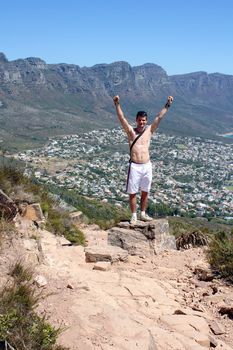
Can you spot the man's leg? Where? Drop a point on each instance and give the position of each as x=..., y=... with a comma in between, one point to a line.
x=145, y=189
x=133, y=182
x=144, y=201
x=133, y=207
x=133, y=202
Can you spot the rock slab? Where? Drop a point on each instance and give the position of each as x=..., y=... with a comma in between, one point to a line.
x=34, y=212
x=106, y=253
x=144, y=238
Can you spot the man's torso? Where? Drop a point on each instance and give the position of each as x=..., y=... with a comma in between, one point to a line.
x=140, y=150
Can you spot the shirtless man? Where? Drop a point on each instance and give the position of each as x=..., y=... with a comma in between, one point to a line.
x=140, y=168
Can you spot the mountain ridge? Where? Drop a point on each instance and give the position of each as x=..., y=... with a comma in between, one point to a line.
x=56, y=99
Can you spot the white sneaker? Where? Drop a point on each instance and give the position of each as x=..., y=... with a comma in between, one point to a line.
x=133, y=221
x=145, y=217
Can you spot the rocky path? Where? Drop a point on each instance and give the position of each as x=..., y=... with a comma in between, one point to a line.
x=149, y=302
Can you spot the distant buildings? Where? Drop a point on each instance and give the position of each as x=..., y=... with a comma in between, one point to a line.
x=191, y=174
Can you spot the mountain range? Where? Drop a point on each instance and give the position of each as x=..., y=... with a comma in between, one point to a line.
x=39, y=100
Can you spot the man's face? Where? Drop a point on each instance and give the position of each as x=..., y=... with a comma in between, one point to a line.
x=141, y=122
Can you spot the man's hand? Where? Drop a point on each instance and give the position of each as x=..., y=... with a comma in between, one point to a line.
x=170, y=99
x=116, y=100
x=169, y=102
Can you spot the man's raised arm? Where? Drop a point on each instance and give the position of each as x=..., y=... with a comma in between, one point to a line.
x=161, y=114
x=126, y=126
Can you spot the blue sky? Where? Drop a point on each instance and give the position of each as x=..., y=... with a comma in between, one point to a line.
x=181, y=36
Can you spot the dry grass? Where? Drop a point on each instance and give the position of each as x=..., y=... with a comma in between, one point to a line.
x=7, y=230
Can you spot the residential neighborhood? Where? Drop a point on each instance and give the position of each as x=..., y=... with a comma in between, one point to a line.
x=190, y=174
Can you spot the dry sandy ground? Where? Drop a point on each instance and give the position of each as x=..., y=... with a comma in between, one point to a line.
x=147, y=303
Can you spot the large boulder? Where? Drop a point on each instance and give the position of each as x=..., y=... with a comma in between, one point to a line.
x=144, y=238
x=33, y=212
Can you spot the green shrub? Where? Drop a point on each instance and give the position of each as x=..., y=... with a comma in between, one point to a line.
x=105, y=215
x=75, y=236
x=19, y=324
x=220, y=254
x=59, y=223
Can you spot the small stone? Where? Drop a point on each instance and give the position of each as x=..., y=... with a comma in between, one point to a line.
x=70, y=286
x=179, y=312
x=226, y=310
x=204, y=274
x=197, y=307
x=85, y=288
x=215, y=289
x=213, y=341
x=40, y=281
x=200, y=284
x=216, y=328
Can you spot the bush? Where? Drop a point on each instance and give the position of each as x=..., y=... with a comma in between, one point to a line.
x=20, y=326
x=220, y=254
x=105, y=215
x=59, y=223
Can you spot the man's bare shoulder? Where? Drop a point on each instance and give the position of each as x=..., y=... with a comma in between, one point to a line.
x=129, y=130
x=149, y=128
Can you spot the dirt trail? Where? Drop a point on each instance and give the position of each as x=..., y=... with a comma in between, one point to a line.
x=151, y=303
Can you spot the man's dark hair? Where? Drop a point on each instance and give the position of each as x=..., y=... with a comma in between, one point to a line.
x=141, y=114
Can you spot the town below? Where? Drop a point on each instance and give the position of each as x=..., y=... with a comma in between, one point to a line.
x=191, y=175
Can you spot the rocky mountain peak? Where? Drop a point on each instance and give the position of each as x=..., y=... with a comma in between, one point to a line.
x=150, y=66
x=3, y=58
x=36, y=62
x=86, y=91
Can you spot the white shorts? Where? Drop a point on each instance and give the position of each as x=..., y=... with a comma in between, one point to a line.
x=139, y=177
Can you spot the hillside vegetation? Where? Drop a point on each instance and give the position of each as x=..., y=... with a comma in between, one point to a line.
x=18, y=186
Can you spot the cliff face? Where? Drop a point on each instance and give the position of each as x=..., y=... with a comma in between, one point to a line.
x=50, y=99
x=103, y=79
x=213, y=88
